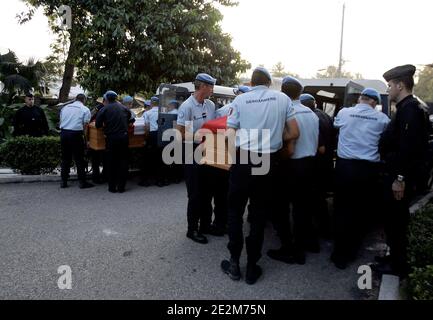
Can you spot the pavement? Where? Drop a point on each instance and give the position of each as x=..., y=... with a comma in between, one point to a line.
x=133, y=246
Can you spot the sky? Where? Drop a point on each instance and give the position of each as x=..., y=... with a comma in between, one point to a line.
x=303, y=34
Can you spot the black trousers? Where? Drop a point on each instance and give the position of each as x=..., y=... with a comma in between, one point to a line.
x=396, y=218
x=244, y=186
x=324, y=178
x=215, y=186
x=152, y=163
x=117, y=160
x=295, y=185
x=72, y=145
x=357, y=198
x=199, y=209
x=98, y=158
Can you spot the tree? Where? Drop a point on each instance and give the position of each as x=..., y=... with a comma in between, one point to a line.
x=424, y=87
x=64, y=38
x=332, y=72
x=279, y=71
x=133, y=45
x=19, y=77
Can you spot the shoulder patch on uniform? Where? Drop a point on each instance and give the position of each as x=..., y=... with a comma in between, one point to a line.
x=181, y=114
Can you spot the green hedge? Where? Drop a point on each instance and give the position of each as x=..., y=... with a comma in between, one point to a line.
x=420, y=253
x=29, y=156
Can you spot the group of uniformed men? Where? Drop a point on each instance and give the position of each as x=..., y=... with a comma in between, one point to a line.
x=299, y=147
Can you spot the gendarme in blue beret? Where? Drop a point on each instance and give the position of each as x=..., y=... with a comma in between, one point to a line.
x=244, y=89
x=399, y=72
x=147, y=103
x=204, y=77
x=264, y=71
x=154, y=99
x=127, y=99
x=306, y=97
x=110, y=93
x=372, y=94
x=174, y=102
x=292, y=80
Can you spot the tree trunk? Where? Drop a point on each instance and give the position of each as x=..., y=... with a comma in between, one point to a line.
x=68, y=74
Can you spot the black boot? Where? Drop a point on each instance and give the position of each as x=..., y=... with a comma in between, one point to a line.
x=254, y=272
x=64, y=184
x=85, y=185
x=231, y=268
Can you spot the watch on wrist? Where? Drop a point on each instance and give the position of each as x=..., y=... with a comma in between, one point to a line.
x=400, y=178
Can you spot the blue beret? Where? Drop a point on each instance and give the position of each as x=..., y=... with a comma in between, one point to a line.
x=398, y=72
x=128, y=99
x=154, y=99
x=244, y=89
x=264, y=71
x=175, y=102
x=306, y=97
x=371, y=93
x=292, y=80
x=204, y=77
x=110, y=93
x=147, y=102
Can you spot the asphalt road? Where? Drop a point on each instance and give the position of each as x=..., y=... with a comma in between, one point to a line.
x=133, y=246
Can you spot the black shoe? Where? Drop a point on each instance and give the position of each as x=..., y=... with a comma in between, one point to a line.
x=145, y=183
x=383, y=259
x=339, y=262
x=112, y=190
x=160, y=184
x=232, y=269
x=299, y=257
x=386, y=268
x=281, y=255
x=64, y=185
x=121, y=190
x=254, y=272
x=213, y=230
x=197, y=237
x=313, y=247
x=86, y=185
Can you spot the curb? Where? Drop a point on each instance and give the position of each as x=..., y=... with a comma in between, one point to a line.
x=389, y=288
x=390, y=285
x=33, y=179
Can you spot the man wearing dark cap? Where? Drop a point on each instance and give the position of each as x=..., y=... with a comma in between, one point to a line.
x=404, y=146
x=30, y=120
x=193, y=113
x=115, y=119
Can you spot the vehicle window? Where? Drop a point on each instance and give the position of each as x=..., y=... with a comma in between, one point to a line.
x=329, y=108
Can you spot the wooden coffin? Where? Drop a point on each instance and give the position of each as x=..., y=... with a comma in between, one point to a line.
x=97, y=139
x=216, y=153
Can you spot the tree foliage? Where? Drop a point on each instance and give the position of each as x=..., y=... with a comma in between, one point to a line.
x=424, y=87
x=133, y=45
x=332, y=72
x=19, y=77
x=279, y=71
